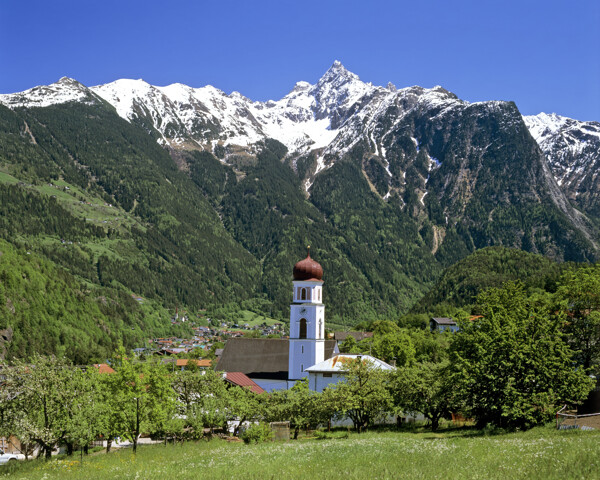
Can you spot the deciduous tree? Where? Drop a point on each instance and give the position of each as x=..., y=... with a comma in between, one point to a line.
x=512, y=367
x=363, y=395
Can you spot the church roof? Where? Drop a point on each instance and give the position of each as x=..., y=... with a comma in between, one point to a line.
x=261, y=357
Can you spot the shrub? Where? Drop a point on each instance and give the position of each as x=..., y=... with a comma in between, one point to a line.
x=260, y=432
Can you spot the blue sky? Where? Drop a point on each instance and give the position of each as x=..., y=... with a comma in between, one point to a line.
x=544, y=55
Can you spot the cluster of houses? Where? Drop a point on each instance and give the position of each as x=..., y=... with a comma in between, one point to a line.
x=205, y=337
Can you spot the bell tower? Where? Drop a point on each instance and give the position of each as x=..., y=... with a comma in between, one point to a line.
x=307, y=318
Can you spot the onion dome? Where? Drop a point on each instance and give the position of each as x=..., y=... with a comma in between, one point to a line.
x=308, y=269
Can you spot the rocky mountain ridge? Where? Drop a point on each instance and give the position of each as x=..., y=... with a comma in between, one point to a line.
x=572, y=148
x=329, y=117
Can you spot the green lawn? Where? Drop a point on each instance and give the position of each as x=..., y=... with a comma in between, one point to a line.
x=253, y=319
x=542, y=453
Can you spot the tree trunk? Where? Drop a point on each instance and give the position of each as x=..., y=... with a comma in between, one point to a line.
x=435, y=422
x=108, y=444
x=48, y=452
x=237, y=429
x=135, y=440
x=69, y=448
x=86, y=449
x=296, y=431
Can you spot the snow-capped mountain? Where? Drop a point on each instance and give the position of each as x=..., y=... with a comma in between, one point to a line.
x=309, y=117
x=573, y=152
x=63, y=91
x=424, y=149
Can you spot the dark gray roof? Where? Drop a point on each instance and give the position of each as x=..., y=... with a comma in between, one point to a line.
x=260, y=357
x=358, y=336
x=443, y=321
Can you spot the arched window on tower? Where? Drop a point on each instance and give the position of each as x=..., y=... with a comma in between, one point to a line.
x=302, y=333
x=303, y=297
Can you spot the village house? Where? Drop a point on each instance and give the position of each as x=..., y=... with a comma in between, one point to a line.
x=443, y=324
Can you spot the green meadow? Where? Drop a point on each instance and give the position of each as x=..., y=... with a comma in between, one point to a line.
x=541, y=453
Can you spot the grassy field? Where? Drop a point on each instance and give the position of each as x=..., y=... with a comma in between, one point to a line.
x=541, y=453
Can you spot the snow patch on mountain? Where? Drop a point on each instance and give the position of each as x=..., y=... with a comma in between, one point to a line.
x=572, y=147
x=63, y=91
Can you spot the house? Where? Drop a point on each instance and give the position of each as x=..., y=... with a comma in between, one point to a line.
x=333, y=370
x=443, y=324
x=241, y=380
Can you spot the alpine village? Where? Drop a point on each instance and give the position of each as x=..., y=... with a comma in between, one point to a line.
x=355, y=281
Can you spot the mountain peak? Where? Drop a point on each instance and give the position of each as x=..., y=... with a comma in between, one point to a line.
x=338, y=74
x=64, y=90
x=67, y=81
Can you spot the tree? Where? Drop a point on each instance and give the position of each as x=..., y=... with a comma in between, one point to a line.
x=425, y=388
x=363, y=395
x=243, y=405
x=44, y=402
x=141, y=396
x=512, y=367
x=349, y=345
x=394, y=345
x=298, y=405
x=202, y=398
x=430, y=346
x=82, y=407
x=578, y=299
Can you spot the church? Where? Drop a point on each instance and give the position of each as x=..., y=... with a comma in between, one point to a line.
x=276, y=363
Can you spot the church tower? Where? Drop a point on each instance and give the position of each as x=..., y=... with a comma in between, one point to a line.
x=307, y=319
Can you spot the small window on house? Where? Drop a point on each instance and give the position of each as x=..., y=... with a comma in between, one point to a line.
x=327, y=374
x=319, y=294
x=302, y=348
x=302, y=333
x=301, y=367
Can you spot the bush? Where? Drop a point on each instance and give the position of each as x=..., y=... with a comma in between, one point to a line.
x=260, y=432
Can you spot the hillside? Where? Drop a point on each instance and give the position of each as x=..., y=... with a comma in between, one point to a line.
x=45, y=310
x=490, y=267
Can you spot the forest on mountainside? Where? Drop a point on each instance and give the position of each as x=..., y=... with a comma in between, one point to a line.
x=50, y=312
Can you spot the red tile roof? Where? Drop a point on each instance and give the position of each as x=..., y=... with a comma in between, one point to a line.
x=242, y=380
x=104, y=368
x=205, y=362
